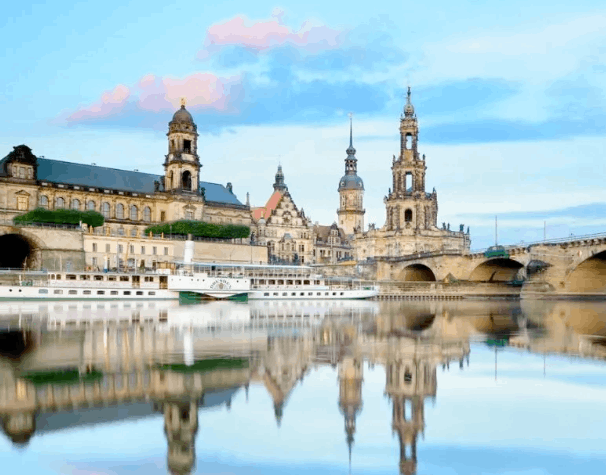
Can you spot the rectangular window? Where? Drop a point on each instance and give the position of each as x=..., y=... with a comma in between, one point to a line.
x=266, y=294
x=139, y=292
x=120, y=248
x=73, y=292
x=94, y=261
x=43, y=291
x=86, y=292
x=114, y=292
x=107, y=248
x=126, y=292
x=154, y=250
x=166, y=251
x=151, y=293
x=162, y=216
x=98, y=277
x=100, y=292
x=58, y=291
x=132, y=249
x=142, y=249
x=94, y=247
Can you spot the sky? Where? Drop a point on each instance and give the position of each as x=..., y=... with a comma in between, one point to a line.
x=510, y=97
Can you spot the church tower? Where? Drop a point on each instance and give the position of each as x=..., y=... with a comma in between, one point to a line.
x=180, y=427
x=279, y=184
x=182, y=164
x=350, y=395
x=351, y=192
x=408, y=206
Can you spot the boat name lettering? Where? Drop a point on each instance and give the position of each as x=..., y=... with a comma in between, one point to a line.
x=220, y=284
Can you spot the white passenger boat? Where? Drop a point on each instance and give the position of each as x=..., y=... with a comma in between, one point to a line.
x=84, y=286
x=264, y=282
x=194, y=281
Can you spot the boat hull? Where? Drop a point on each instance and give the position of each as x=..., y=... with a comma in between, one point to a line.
x=311, y=294
x=24, y=292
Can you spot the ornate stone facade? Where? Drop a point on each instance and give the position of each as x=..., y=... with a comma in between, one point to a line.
x=130, y=201
x=282, y=227
x=412, y=213
x=351, y=193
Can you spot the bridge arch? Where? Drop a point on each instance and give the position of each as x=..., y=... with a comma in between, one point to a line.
x=18, y=250
x=496, y=270
x=417, y=273
x=589, y=275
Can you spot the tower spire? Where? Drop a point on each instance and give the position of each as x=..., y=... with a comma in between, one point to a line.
x=350, y=130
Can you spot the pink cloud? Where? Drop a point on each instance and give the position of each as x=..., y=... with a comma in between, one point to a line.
x=264, y=35
x=111, y=103
x=202, y=91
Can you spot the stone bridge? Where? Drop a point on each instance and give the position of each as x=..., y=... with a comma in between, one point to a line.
x=574, y=267
x=38, y=247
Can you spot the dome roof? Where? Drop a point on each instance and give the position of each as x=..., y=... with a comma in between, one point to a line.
x=183, y=116
x=351, y=182
x=409, y=110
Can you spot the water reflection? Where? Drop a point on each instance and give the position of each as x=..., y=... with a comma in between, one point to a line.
x=81, y=364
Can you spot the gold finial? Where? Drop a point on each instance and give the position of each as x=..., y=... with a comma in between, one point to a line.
x=183, y=102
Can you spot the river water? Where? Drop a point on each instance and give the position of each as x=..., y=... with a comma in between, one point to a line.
x=295, y=387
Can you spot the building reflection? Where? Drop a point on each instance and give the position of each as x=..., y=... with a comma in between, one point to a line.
x=160, y=360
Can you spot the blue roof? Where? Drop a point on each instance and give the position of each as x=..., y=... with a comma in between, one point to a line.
x=57, y=171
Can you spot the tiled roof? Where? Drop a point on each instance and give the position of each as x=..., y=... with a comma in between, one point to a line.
x=265, y=211
x=57, y=171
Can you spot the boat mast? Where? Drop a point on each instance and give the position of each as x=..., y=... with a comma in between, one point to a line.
x=496, y=233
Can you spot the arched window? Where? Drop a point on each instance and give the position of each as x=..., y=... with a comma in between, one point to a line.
x=44, y=201
x=408, y=141
x=119, y=211
x=186, y=180
x=189, y=214
x=75, y=204
x=408, y=215
x=134, y=213
x=90, y=205
x=105, y=210
x=147, y=214
x=59, y=203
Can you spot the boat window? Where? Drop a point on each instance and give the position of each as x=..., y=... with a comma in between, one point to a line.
x=266, y=294
x=58, y=276
x=86, y=292
x=52, y=276
x=114, y=292
x=284, y=294
x=317, y=282
x=70, y=277
x=281, y=282
x=310, y=293
x=98, y=277
x=275, y=294
x=43, y=291
x=58, y=291
x=151, y=293
x=272, y=282
x=289, y=282
x=111, y=278
x=124, y=278
x=319, y=294
x=302, y=294
x=139, y=293
x=341, y=293
x=126, y=292
x=149, y=279
x=84, y=277
x=306, y=282
x=297, y=282
x=73, y=292
x=293, y=294
x=326, y=293
x=100, y=292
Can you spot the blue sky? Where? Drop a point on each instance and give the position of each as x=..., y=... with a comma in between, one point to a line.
x=511, y=98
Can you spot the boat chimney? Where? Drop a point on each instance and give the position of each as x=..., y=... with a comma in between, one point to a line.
x=188, y=252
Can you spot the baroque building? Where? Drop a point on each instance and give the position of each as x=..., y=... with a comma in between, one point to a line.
x=351, y=192
x=130, y=201
x=411, y=213
x=282, y=227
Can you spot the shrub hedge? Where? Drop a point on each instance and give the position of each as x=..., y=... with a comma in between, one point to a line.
x=201, y=229
x=60, y=216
